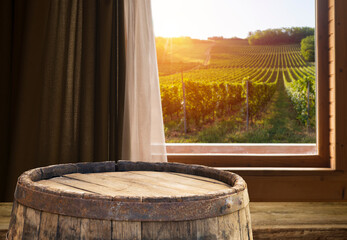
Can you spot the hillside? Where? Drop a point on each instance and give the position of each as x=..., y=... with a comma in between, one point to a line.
x=216, y=73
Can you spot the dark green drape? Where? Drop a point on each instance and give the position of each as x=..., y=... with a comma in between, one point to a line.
x=62, y=84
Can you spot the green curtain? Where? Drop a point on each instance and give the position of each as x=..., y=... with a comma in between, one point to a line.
x=62, y=84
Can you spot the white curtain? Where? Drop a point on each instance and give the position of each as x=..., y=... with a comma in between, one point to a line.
x=143, y=130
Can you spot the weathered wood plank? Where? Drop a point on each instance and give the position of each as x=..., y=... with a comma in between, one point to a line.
x=18, y=221
x=31, y=226
x=86, y=187
x=7, y=220
x=68, y=227
x=197, y=180
x=136, y=183
x=182, y=184
x=95, y=229
x=301, y=233
x=60, y=186
x=296, y=213
x=165, y=187
x=207, y=228
x=126, y=230
x=131, y=184
x=184, y=179
x=249, y=222
x=48, y=226
x=5, y=216
x=169, y=230
x=244, y=231
x=229, y=227
x=97, y=183
x=122, y=185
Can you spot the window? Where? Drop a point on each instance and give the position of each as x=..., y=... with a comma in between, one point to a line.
x=311, y=184
x=272, y=155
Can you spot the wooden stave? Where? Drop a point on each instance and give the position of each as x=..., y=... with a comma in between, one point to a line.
x=236, y=225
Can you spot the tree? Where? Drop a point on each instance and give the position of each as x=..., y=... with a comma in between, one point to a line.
x=308, y=48
x=278, y=36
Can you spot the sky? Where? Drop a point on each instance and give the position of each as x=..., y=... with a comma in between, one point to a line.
x=228, y=18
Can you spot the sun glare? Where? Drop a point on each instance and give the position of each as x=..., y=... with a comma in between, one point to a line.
x=229, y=18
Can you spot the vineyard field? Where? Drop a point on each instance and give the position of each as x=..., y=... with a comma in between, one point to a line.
x=222, y=82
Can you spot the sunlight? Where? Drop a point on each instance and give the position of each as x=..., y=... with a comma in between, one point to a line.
x=229, y=18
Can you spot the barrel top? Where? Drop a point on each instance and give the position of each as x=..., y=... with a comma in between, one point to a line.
x=136, y=184
x=134, y=191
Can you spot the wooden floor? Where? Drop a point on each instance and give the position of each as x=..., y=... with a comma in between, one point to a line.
x=274, y=220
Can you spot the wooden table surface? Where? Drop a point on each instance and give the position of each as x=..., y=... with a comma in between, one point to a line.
x=310, y=220
x=274, y=220
x=5, y=216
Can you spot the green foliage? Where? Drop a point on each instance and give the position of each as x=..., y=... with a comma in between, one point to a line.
x=171, y=102
x=206, y=100
x=297, y=91
x=308, y=48
x=258, y=95
x=279, y=36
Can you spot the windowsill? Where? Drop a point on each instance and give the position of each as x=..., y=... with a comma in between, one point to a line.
x=268, y=156
x=248, y=155
x=281, y=169
x=273, y=220
x=240, y=149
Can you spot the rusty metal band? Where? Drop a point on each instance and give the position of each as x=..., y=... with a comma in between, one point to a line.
x=130, y=211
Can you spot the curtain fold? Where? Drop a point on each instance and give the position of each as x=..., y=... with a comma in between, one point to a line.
x=143, y=130
x=6, y=26
x=62, y=84
x=67, y=92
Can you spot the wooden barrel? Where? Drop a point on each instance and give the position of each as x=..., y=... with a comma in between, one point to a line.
x=130, y=200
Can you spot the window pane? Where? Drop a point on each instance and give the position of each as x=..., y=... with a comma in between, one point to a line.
x=237, y=71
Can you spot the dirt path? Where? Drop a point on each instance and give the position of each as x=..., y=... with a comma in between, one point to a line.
x=280, y=123
x=208, y=55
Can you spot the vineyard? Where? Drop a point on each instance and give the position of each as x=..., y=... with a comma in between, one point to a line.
x=238, y=81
